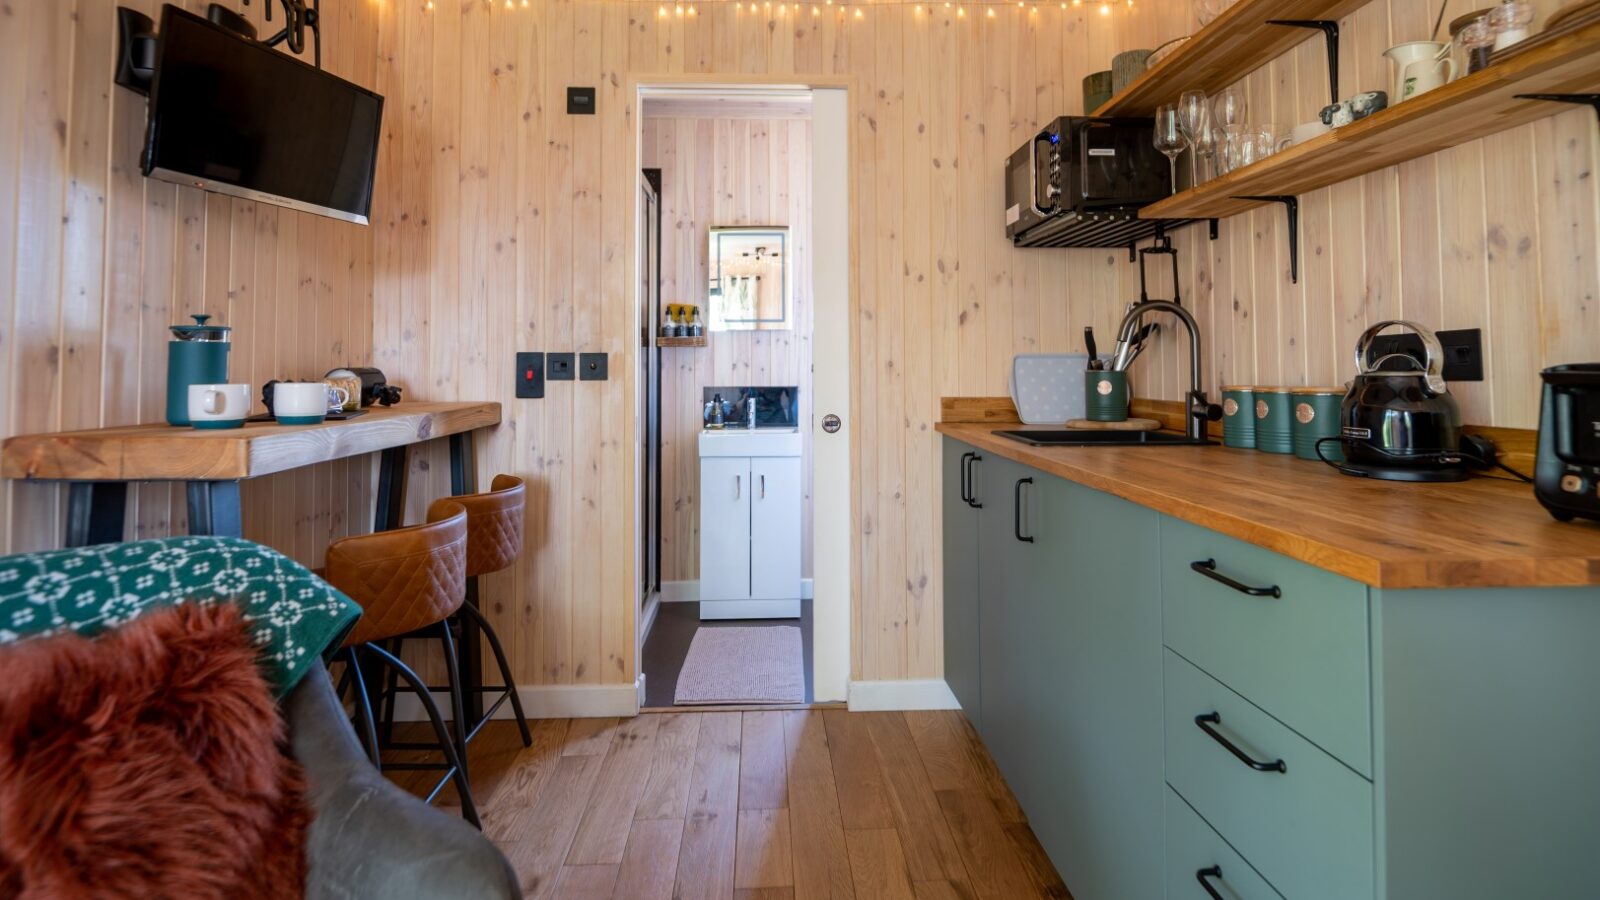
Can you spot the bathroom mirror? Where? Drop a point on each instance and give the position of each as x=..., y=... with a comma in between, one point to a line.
x=750, y=284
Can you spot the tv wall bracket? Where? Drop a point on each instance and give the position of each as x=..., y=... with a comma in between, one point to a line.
x=137, y=38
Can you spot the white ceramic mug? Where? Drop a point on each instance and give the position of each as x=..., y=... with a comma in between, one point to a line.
x=305, y=402
x=218, y=405
x=1302, y=133
x=1424, y=75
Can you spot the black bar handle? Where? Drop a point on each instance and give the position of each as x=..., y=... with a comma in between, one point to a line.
x=1016, y=522
x=1204, y=876
x=972, y=493
x=966, y=478
x=1206, y=720
x=1208, y=568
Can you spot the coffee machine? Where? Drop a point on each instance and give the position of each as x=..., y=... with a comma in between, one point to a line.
x=1566, y=474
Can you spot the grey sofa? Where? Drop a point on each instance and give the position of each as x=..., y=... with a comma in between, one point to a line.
x=369, y=839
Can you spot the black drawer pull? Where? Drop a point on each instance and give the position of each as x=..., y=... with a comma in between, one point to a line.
x=1016, y=521
x=1206, y=720
x=1204, y=876
x=1208, y=568
x=967, y=479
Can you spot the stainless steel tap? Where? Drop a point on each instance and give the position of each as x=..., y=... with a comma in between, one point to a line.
x=750, y=412
x=1200, y=409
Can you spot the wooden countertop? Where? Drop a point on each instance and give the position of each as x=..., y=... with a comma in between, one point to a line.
x=1479, y=533
x=163, y=453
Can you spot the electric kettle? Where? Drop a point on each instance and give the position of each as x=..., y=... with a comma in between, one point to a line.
x=1398, y=420
x=197, y=354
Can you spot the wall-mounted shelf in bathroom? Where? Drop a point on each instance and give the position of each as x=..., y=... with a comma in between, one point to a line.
x=701, y=341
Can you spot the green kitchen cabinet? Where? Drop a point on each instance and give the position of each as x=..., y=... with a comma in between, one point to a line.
x=1005, y=564
x=961, y=579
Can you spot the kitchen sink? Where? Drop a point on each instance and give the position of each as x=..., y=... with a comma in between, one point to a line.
x=1078, y=437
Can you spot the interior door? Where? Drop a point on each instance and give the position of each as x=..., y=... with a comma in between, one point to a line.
x=775, y=528
x=724, y=528
x=649, y=386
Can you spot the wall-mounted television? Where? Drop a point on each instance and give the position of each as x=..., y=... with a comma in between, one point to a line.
x=230, y=115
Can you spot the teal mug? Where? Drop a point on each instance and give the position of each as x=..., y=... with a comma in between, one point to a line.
x=1105, y=396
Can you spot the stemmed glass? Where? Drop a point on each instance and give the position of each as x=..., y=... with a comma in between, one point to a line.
x=1169, y=139
x=1228, y=108
x=1194, y=120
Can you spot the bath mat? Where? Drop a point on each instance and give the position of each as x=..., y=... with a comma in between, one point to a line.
x=732, y=665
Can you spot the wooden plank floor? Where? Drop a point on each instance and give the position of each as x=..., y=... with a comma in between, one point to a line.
x=754, y=806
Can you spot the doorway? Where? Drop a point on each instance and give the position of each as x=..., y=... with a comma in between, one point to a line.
x=753, y=261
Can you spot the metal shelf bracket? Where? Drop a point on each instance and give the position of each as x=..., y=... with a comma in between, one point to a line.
x=1586, y=99
x=1213, y=228
x=1291, y=205
x=1330, y=34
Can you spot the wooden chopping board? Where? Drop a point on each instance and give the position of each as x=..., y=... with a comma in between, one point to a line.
x=1128, y=425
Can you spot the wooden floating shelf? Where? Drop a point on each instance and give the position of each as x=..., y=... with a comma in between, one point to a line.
x=1469, y=108
x=700, y=341
x=1236, y=43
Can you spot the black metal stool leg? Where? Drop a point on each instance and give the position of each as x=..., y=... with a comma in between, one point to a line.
x=363, y=703
x=505, y=670
x=469, y=809
x=394, y=646
x=452, y=674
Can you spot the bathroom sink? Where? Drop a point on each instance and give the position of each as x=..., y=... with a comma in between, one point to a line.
x=1073, y=437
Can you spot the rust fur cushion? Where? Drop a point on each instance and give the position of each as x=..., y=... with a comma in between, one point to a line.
x=148, y=762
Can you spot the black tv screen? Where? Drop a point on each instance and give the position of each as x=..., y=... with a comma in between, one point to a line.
x=233, y=116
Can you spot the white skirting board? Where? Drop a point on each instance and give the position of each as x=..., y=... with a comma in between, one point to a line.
x=885, y=696
x=647, y=617
x=689, y=591
x=557, y=701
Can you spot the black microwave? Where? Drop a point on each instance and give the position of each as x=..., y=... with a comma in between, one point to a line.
x=1081, y=181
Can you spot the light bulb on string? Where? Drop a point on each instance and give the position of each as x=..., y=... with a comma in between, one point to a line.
x=1105, y=9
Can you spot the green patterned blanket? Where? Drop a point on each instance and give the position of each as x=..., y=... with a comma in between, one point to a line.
x=297, y=616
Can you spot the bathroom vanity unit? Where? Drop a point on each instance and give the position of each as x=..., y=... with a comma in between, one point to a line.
x=750, y=496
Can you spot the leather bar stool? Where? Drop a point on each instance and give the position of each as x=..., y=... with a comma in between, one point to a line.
x=494, y=541
x=408, y=581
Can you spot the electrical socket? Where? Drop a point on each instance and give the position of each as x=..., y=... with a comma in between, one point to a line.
x=560, y=366
x=1463, y=351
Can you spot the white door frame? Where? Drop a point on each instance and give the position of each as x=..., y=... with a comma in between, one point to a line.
x=833, y=267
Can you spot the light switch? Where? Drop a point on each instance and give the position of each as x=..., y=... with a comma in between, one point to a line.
x=530, y=376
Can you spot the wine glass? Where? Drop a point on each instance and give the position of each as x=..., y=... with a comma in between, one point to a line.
x=1169, y=139
x=1205, y=147
x=1194, y=120
x=1228, y=108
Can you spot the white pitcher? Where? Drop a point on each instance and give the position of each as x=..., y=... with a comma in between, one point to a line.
x=1405, y=55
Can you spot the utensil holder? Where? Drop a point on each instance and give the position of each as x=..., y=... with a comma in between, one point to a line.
x=1105, y=396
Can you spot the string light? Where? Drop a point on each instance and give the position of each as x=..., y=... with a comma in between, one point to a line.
x=1105, y=9
x=860, y=14
x=680, y=9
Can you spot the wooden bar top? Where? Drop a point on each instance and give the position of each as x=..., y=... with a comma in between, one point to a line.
x=162, y=452
x=1482, y=532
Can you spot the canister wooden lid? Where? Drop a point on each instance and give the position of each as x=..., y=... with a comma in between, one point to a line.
x=1319, y=390
x=1238, y=387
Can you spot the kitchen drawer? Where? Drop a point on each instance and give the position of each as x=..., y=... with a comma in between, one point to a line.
x=1307, y=829
x=1302, y=656
x=1193, y=848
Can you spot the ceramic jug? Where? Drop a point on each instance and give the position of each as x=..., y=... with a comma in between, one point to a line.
x=1403, y=55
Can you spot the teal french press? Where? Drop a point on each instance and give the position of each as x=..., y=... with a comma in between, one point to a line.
x=197, y=354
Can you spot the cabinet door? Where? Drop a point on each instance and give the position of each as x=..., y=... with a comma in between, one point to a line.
x=1007, y=564
x=1098, y=698
x=961, y=577
x=725, y=528
x=775, y=528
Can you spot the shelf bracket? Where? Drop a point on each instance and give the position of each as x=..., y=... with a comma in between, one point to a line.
x=1330, y=34
x=1291, y=205
x=1213, y=229
x=1587, y=99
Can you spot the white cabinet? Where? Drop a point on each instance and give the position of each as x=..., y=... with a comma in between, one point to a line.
x=750, y=515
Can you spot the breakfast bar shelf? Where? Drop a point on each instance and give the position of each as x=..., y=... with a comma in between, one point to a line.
x=1464, y=110
x=1240, y=40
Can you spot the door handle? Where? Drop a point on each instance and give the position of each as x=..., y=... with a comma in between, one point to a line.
x=1206, y=720
x=966, y=477
x=972, y=498
x=1204, y=876
x=1208, y=568
x=738, y=486
x=763, y=486
x=1016, y=520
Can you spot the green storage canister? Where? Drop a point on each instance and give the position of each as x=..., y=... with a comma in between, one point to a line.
x=1273, y=412
x=1105, y=396
x=197, y=354
x=1239, y=416
x=1316, y=416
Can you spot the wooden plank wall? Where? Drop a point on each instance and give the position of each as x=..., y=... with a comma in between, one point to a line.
x=719, y=172
x=96, y=262
x=505, y=224
x=1499, y=234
